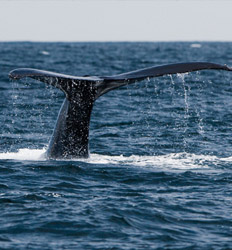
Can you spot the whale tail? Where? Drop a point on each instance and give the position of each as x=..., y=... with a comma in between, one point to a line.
x=99, y=85
x=71, y=135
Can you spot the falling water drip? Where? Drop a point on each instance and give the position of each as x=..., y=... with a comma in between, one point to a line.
x=186, y=110
x=14, y=113
x=185, y=88
x=172, y=81
x=200, y=123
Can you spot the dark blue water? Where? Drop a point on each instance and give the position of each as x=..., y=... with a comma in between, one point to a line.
x=160, y=171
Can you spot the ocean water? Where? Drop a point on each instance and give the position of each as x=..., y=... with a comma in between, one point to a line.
x=159, y=174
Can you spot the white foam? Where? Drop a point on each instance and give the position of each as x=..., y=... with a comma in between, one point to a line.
x=24, y=154
x=178, y=161
x=195, y=45
x=170, y=161
x=45, y=52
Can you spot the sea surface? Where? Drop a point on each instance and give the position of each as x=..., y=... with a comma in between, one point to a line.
x=159, y=174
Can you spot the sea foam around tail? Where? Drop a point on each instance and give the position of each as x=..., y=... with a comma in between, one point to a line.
x=175, y=161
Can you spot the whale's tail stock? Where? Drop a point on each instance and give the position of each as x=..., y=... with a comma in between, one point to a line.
x=71, y=135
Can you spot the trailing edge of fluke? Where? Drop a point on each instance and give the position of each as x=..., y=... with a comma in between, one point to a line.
x=70, y=138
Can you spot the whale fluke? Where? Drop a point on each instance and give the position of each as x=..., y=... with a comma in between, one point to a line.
x=71, y=134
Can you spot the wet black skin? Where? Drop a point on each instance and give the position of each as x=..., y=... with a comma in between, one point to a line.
x=70, y=138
